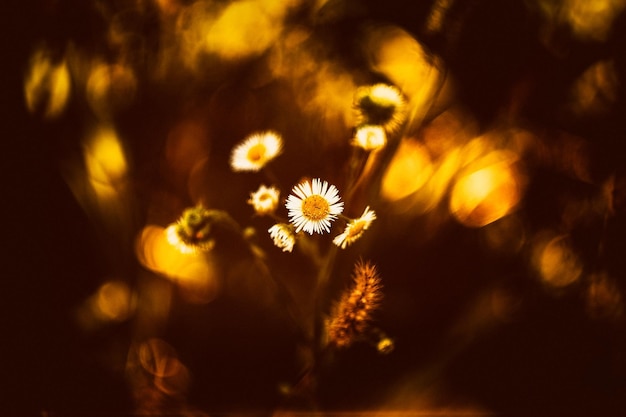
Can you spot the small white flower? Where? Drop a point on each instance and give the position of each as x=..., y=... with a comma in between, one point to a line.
x=370, y=137
x=283, y=236
x=355, y=229
x=256, y=151
x=314, y=205
x=264, y=200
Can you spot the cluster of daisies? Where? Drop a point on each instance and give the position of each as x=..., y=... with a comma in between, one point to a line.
x=313, y=204
x=312, y=207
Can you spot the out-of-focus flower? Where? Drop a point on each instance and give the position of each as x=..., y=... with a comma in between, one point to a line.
x=264, y=200
x=256, y=151
x=380, y=104
x=47, y=86
x=385, y=345
x=283, y=236
x=370, y=137
x=314, y=205
x=192, y=232
x=355, y=229
x=110, y=89
x=352, y=314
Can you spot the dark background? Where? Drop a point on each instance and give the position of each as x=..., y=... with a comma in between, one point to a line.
x=552, y=358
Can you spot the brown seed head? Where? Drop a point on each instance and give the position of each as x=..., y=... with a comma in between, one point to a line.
x=351, y=315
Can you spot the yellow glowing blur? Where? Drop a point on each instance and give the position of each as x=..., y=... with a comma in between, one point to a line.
x=407, y=172
x=110, y=88
x=323, y=88
x=437, y=185
x=397, y=55
x=480, y=148
x=47, y=85
x=592, y=19
x=596, y=89
x=105, y=162
x=487, y=193
x=246, y=27
x=186, y=42
x=437, y=15
x=443, y=138
x=370, y=138
x=557, y=264
x=331, y=95
x=194, y=272
x=290, y=57
x=115, y=301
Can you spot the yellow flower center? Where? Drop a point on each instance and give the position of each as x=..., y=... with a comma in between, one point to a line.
x=356, y=229
x=256, y=152
x=315, y=207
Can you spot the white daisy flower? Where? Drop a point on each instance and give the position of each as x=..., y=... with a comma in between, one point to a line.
x=314, y=205
x=283, y=236
x=370, y=137
x=264, y=200
x=355, y=229
x=380, y=104
x=256, y=151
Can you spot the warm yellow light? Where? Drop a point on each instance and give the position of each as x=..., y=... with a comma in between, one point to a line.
x=557, y=264
x=290, y=57
x=488, y=192
x=477, y=185
x=397, y=55
x=409, y=169
x=323, y=88
x=104, y=158
x=595, y=90
x=447, y=141
x=592, y=19
x=370, y=138
x=244, y=28
x=186, y=42
x=47, y=85
x=114, y=301
x=193, y=271
x=439, y=183
x=110, y=88
x=330, y=96
x=437, y=15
